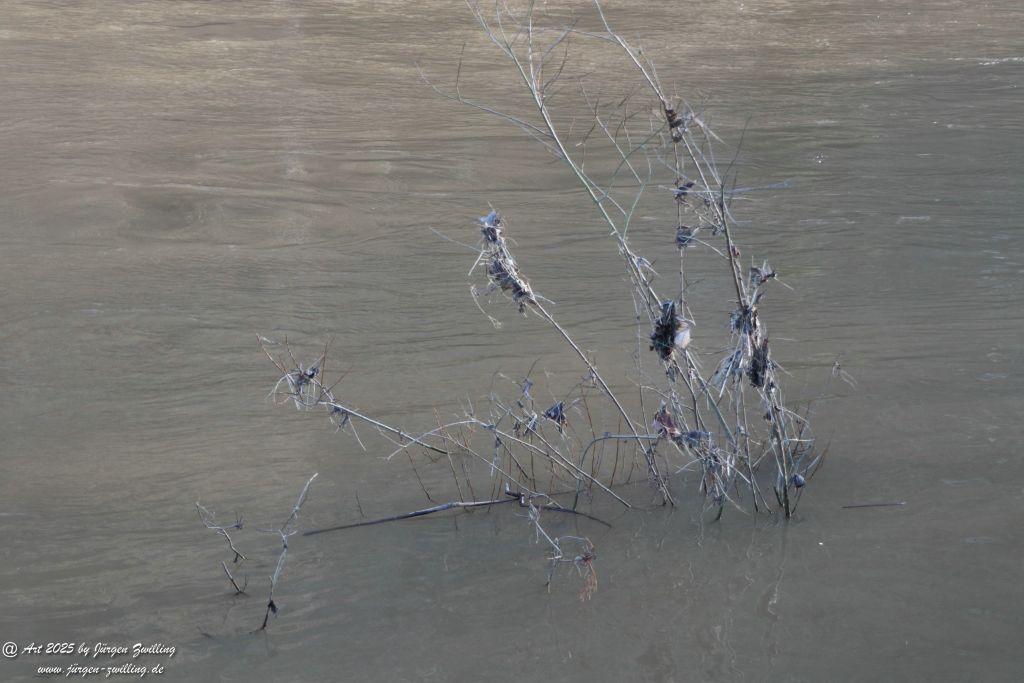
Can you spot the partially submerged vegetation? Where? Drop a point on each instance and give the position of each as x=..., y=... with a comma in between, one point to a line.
x=732, y=427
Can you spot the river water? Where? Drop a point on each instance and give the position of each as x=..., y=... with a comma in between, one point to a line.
x=178, y=177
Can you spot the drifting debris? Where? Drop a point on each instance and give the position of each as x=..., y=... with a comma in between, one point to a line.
x=665, y=425
x=504, y=274
x=492, y=228
x=501, y=267
x=671, y=333
x=761, y=274
x=684, y=236
x=742, y=319
x=683, y=189
x=556, y=414
x=759, y=365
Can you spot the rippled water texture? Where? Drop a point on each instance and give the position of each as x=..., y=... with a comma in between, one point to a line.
x=178, y=176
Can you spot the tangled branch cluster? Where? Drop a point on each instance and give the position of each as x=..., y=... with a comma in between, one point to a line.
x=732, y=427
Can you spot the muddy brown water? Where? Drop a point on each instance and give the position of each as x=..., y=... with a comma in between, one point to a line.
x=176, y=177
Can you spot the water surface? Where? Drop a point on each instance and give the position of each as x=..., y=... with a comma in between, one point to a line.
x=177, y=177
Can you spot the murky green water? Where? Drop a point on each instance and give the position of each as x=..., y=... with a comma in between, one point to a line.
x=177, y=177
